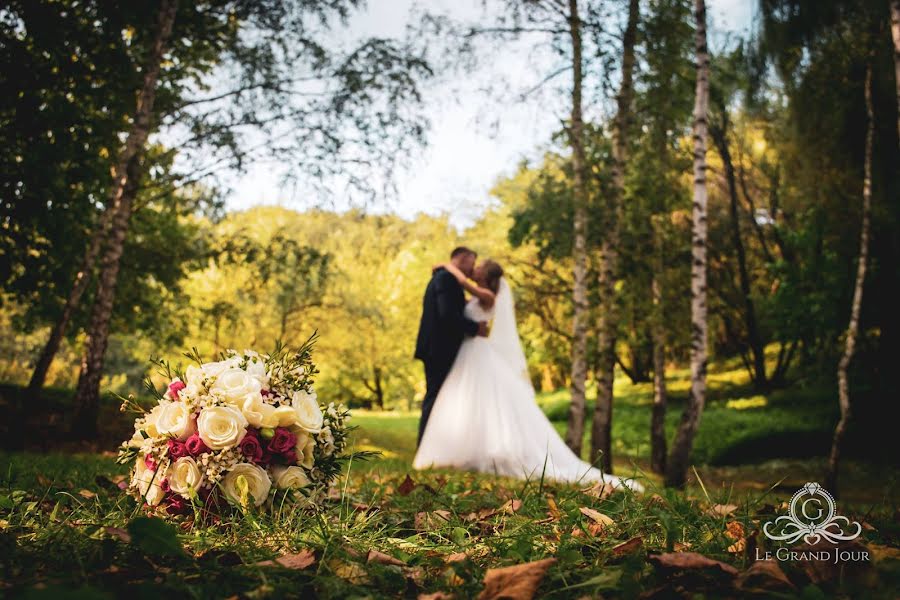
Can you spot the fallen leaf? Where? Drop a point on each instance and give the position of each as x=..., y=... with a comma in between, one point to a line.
x=690, y=561
x=824, y=571
x=721, y=510
x=299, y=561
x=629, y=547
x=87, y=494
x=681, y=546
x=430, y=520
x=352, y=572
x=406, y=487
x=380, y=558
x=735, y=531
x=457, y=557
x=44, y=481
x=118, y=533
x=554, y=512
x=600, y=521
x=764, y=575
x=600, y=490
x=518, y=582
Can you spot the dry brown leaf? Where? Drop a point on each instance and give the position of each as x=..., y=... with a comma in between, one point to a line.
x=380, y=558
x=553, y=511
x=735, y=531
x=764, y=575
x=518, y=582
x=600, y=490
x=689, y=561
x=721, y=510
x=44, y=481
x=681, y=546
x=352, y=572
x=598, y=518
x=436, y=596
x=87, y=494
x=298, y=561
x=633, y=545
x=118, y=533
x=457, y=557
x=406, y=487
x=429, y=520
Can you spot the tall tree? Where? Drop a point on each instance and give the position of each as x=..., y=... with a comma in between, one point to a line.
x=895, y=34
x=831, y=477
x=575, y=430
x=126, y=179
x=680, y=456
x=601, y=432
x=658, y=335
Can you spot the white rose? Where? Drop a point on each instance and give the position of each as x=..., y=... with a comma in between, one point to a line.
x=194, y=375
x=259, y=413
x=286, y=416
x=257, y=370
x=185, y=477
x=234, y=385
x=288, y=478
x=306, y=444
x=249, y=477
x=175, y=419
x=150, y=420
x=309, y=415
x=148, y=483
x=221, y=427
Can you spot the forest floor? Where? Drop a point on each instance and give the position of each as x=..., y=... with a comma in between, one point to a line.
x=67, y=530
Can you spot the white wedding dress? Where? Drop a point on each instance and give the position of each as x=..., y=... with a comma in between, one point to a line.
x=485, y=417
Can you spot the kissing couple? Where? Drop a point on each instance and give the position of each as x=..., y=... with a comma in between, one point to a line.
x=479, y=412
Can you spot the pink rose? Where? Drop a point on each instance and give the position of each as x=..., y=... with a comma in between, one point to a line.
x=149, y=462
x=195, y=445
x=175, y=504
x=164, y=485
x=282, y=441
x=177, y=449
x=175, y=387
x=251, y=448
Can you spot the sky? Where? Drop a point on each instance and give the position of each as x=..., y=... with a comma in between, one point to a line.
x=474, y=140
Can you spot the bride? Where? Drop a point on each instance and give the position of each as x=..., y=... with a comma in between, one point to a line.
x=485, y=417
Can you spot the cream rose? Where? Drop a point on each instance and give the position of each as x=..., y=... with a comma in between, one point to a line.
x=185, y=477
x=257, y=370
x=245, y=476
x=176, y=419
x=234, y=385
x=306, y=444
x=259, y=413
x=289, y=478
x=309, y=415
x=221, y=427
x=150, y=420
x=148, y=483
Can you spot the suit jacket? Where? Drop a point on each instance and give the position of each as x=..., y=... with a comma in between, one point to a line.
x=443, y=325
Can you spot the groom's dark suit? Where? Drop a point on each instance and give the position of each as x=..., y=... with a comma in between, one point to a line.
x=441, y=333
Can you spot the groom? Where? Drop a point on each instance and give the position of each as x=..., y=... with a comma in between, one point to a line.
x=443, y=327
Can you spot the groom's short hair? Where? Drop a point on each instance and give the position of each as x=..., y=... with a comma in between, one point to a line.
x=460, y=250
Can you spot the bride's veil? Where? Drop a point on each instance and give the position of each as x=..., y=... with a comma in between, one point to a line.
x=504, y=336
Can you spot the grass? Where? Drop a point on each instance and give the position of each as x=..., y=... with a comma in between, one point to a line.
x=67, y=530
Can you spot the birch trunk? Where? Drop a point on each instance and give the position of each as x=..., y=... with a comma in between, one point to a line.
x=121, y=201
x=575, y=431
x=853, y=327
x=601, y=432
x=679, y=459
x=895, y=33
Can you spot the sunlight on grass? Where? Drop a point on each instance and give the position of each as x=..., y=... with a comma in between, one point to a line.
x=745, y=403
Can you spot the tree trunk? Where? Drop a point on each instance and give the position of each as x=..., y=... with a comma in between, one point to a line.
x=601, y=432
x=575, y=431
x=895, y=33
x=719, y=135
x=658, y=335
x=853, y=327
x=121, y=200
x=679, y=459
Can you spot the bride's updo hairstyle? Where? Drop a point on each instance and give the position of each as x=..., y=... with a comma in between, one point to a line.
x=492, y=274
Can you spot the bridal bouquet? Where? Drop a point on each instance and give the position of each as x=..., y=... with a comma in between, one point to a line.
x=241, y=431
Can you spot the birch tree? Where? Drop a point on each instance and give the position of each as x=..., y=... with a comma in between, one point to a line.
x=680, y=456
